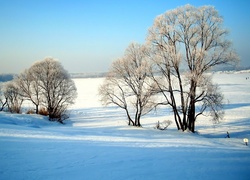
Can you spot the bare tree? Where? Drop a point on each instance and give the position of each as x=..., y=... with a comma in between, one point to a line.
x=57, y=89
x=192, y=39
x=3, y=100
x=29, y=87
x=12, y=95
x=127, y=84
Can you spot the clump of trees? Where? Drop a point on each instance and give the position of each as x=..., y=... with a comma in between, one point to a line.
x=13, y=100
x=181, y=47
x=3, y=100
x=46, y=84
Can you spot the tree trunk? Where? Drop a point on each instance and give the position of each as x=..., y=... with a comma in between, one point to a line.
x=3, y=105
x=176, y=122
x=137, y=121
x=36, y=109
x=191, y=111
x=130, y=121
x=183, y=106
x=138, y=124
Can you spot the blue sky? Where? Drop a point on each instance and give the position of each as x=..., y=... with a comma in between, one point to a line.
x=86, y=36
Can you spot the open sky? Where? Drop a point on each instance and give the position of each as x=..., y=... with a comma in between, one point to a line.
x=86, y=36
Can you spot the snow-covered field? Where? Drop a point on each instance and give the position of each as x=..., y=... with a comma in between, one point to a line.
x=96, y=143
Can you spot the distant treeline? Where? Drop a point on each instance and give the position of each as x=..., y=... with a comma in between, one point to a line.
x=231, y=68
x=88, y=75
x=9, y=77
x=6, y=77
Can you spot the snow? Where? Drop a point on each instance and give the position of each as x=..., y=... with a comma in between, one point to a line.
x=96, y=143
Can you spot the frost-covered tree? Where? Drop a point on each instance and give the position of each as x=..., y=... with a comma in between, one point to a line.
x=3, y=100
x=194, y=40
x=29, y=87
x=13, y=98
x=127, y=84
x=52, y=87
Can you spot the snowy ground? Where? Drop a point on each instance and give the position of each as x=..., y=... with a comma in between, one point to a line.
x=96, y=143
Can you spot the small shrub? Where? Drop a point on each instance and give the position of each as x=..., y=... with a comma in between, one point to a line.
x=163, y=125
x=43, y=111
x=58, y=115
x=30, y=111
x=15, y=109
